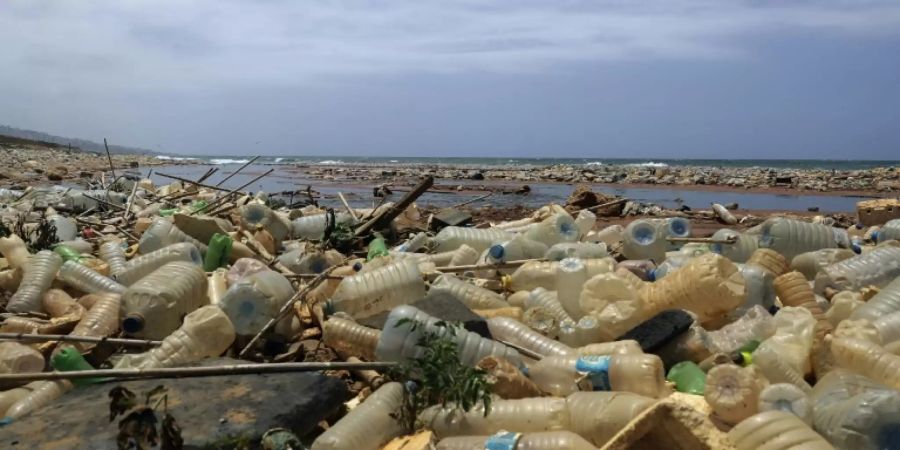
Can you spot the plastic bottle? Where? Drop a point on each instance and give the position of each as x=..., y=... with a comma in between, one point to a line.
x=855, y=413
x=368, y=426
x=709, y=286
x=776, y=430
x=867, y=358
x=534, y=274
x=65, y=227
x=144, y=265
x=58, y=304
x=810, y=263
x=598, y=416
x=114, y=255
x=480, y=239
x=400, y=342
x=888, y=327
x=642, y=239
x=14, y=250
x=517, y=333
x=888, y=231
x=67, y=253
x=218, y=252
x=153, y=307
x=885, y=302
x=688, y=377
x=557, y=228
x=472, y=296
x=78, y=201
x=520, y=415
x=350, y=338
x=69, y=359
x=313, y=227
x=585, y=331
x=547, y=440
x=874, y=268
x=793, y=337
x=585, y=221
x=101, y=320
x=255, y=215
x=641, y=374
x=86, y=280
x=162, y=234
x=378, y=290
x=759, y=288
x=792, y=237
x=206, y=332
x=788, y=398
x=755, y=324
x=42, y=395
x=674, y=227
x=777, y=370
x=542, y=298
x=570, y=278
x=769, y=260
x=543, y=321
x=18, y=358
x=614, y=302
x=464, y=255
x=413, y=244
x=733, y=391
x=255, y=299
x=39, y=274
x=583, y=250
x=11, y=396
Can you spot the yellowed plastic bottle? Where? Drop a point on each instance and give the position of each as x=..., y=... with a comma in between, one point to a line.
x=776, y=430
x=101, y=320
x=42, y=395
x=517, y=333
x=598, y=416
x=521, y=415
x=867, y=358
x=709, y=286
x=546, y=440
x=18, y=358
x=368, y=426
x=733, y=391
x=381, y=289
x=14, y=250
x=793, y=338
x=562, y=375
x=153, y=307
x=350, y=338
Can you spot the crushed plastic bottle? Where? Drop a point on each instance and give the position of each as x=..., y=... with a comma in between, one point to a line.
x=39, y=273
x=255, y=299
x=162, y=234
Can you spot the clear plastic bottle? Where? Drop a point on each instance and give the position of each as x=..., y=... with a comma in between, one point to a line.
x=571, y=275
x=640, y=374
x=18, y=358
x=517, y=333
x=370, y=425
x=398, y=342
x=855, y=413
x=614, y=302
x=792, y=237
x=480, y=239
x=643, y=240
x=598, y=416
x=776, y=430
x=369, y=293
x=114, y=255
x=542, y=298
x=413, y=244
x=547, y=440
x=39, y=274
x=255, y=215
x=464, y=255
x=41, y=395
x=520, y=415
x=810, y=263
x=153, y=307
x=674, y=227
x=776, y=369
x=788, y=398
x=585, y=221
x=350, y=338
x=14, y=250
x=472, y=296
x=611, y=235
x=11, y=396
x=756, y=324
x=515, y=249
x=534, y=274
x=793, y=338
x=584, y=332
x=313, y=227
x=867, y=358
x=769, y=260
x=144, y=265
x=78, y=201
x=560, y=227
x=66, y=229
x=874, y=268
x=623, y=347
x=255, y=299
x=206, y=333
x=759, y=287
x=733, y=391
x=86, y=280
x=883, y=303
x=217, y=286
x=583, y=250
x=888, y=231
x=101, y=320
x=888, y=327
x=163, y=233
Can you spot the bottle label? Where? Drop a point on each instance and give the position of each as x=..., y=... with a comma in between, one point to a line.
x=595, y=369
x=503, y=440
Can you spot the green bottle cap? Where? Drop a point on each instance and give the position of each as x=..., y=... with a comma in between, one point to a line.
x=688, y=377
x=68, y=253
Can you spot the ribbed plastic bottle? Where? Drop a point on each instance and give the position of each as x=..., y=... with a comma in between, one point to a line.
x=517, y=333
x=515, y=249
x=11, y=396
x=86, y=280
x=709, y=286
x=560, y=227
x=885, y=302
x=778, y=370
x=611, y=235
x=368, y=426
x=114, y=255
x=205, y=333
x=101, y=320
x=41, y=395
x=464, y=255
x=888, y=231
x=874, y=268
x=163, y=233
x=571, y=275
x=472, y=296
x=313, y=227
x=640, y=374
x=770, y=260
x=810, y=263
x=153, y=307
x=792, y=237
x=793, y=338
x=867, y=358
x=18, y=358
x=733, y=391
x=14, y=250
x=642, y=239
x=381, y=289
x=480, y=239
x=400, y=342
x=144, y=265
x=39, y=274
x=585, y=221
x=598, y=416
x=255, y=299
x=258, y=215
x=888, y=327
x=776, y=430
x=547, y=440
x=755, y=324
x=520, y=415
x=855, y=413
x=542, y=298
x=350, y=338
x=583, y=250
x=788, y=398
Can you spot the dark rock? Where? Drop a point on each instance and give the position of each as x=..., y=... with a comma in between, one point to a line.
x=731, y=206
x=85, y=174
x=443, y=306
x=134, y=164
x=813, y=209
x=477, y=176
x=54, y=176
x=213, y=412
x=583, y=197
x=450, y=217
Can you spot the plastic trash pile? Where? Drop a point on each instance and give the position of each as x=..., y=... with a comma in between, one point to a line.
x=782, y=336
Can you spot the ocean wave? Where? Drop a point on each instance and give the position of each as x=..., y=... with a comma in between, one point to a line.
x=594, y=163
x=649, y=164
x=173, y=158
x=330, y=162
x=278, y=160
x=227, y=161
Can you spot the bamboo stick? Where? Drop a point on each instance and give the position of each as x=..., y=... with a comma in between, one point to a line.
x=67, y=338
x=709, y=240
x=238, y=170
x=347, y=205
x=445, y=269
x=222, y=198
x=398, y=208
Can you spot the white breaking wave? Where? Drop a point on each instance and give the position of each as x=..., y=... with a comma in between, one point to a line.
x=330, y=162
x=594, y=163
x=173, y=158
x=650, y=164
x=278, y=160
x=228, y=161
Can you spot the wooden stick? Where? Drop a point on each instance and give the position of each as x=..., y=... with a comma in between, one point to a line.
x=188, y=180
x=269, y=259
x=522, y=350
x=347, y=205
x=604, y=205
x=397, y=209
x=130, y=200
x=286, y=308
x=238, y=170
x=187, y=372
x=470, y=201
x=222, y=198
x=709, y=240
x=67, y=338
x=119, y=207
x=208, y=174
x=109, y=157
x=445, y=269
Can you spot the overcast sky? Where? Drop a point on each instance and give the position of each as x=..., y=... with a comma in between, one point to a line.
x=627, y=78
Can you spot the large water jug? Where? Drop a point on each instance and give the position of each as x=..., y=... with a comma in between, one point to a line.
x=163, y=233
x=144, y=265
x=792, y=237
x=39, y=274
x=855, y=413
x=743, y=246
x=255, y=299
x=370, y=425
x=875, y=268
x=643, y=240
x=562, y=375
x=480, y=239
x=369, y=293
x=557, y=228
x=153, y=307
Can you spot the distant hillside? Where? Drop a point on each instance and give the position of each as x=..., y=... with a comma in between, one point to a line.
x=88, y=146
